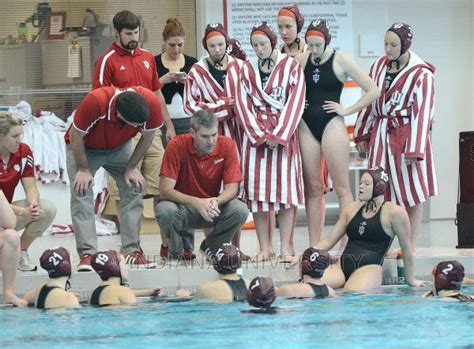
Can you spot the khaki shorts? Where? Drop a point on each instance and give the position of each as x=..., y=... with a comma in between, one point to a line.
x=150, y=167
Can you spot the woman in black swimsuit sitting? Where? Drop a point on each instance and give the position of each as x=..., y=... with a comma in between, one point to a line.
x=370, y=224
x=313, y=264
x=230, y=287
x=54, y=293
x=322, y=131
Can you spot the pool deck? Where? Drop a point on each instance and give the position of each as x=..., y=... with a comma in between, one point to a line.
x=436, y=242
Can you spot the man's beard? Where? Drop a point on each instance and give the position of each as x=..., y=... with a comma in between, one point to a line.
x=131, y=45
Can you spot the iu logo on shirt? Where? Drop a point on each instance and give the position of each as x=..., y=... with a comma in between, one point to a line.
x=362, y=227
x=277, y=92
x=396, y=98
x=316, y=75
x=122, y=67
x=16, y=168
x=146, y=64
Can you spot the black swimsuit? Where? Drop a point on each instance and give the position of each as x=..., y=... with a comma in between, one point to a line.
x=239, y=289
x=320, y=291
x=95, y=297
x=368, y=243
x=45, y=290
x=218, y=75
x=321, y=85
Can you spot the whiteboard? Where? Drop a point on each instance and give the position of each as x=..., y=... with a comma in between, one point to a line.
x=241, y=15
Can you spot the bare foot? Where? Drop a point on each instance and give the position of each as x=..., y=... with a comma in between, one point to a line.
x=11, y=298
x=262, y=257
x=288, y=258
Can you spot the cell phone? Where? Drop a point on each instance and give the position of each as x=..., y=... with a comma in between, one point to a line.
x=181, y=74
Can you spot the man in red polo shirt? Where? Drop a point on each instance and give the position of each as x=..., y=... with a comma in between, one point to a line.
x=103, y=124
x=125, y=64
x=194, y=168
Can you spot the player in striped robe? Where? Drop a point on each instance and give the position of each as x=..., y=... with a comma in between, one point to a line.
x=395, y=128
x=270, y=102
x=212, y=83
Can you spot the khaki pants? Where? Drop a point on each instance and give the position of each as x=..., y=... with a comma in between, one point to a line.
x=37, y=227
x=82, y=207
x=177, y=219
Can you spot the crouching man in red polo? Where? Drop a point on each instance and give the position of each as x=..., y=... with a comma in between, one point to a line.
x=103, y=125
x=194, y=168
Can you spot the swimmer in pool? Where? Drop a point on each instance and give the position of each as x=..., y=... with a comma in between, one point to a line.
x=313, y=264
x=447, y=282
x=371, y=224
x=54, y=293
x=114, y=289
x=230, y=287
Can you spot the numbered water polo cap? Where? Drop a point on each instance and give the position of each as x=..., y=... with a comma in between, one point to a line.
x=106, y=264
x=314, y=262
x=263, y=28
x=212, y=30
x=261, y=292
x=235, y=49
x=292, y=11
x=448, y=275
x=405, y=33
x=57, y=262
x=319, y=27
x=380, y=180
x=227, y=259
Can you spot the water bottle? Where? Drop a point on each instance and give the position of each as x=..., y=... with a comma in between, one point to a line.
x=400, y=270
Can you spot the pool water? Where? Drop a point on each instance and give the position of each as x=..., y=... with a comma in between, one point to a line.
x=395, y=317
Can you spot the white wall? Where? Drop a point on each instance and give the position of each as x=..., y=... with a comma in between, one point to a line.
x=443, y=35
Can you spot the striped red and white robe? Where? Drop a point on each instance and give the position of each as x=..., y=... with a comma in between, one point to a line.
x=272, y=177
x=202, y=91
x=397, y=126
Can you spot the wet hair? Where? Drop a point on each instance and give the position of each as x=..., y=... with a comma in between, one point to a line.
x=314, y=262
x=173, y=28
x=133, y=107
x=261, y=292
x=448, y=275
x=106, y=264
x=125, y=20
x=7, y=121
x=203, y=118
x=56, y=262
x=227, y=259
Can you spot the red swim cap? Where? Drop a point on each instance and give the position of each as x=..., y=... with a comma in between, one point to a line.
x=321, y=26
x=264, y=28
x=227, y=259
x=213, y=29
x=235, y=50
x=56, y=262
x=261, y=292
x=106, y=264
x=314, y=262
x=294, y=12
x=405, y=33
x=448, y=275
x=380, y=180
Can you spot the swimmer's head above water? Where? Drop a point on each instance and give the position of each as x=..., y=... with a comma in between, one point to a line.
x=448, y=275
x=57, y=262
x=314, y=262
x=227, y=259
x=110, y=264
x=261, y=292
